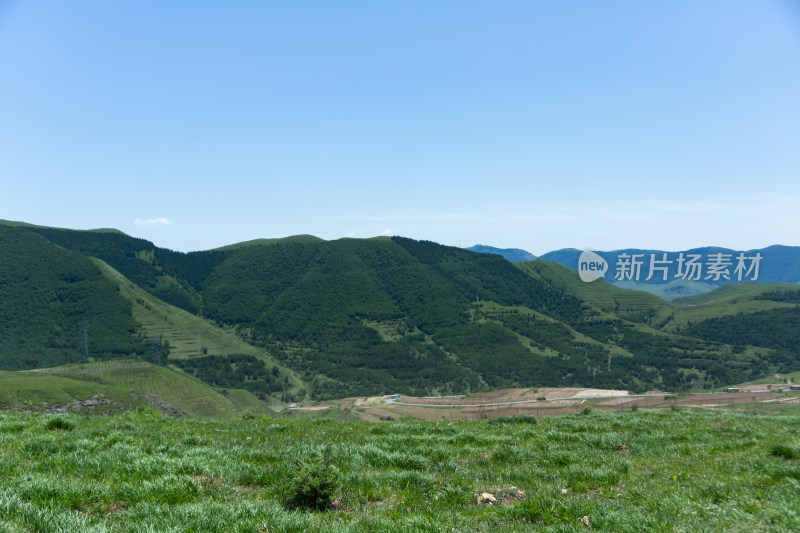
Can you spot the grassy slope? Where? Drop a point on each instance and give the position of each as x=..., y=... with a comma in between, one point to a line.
x=244, y=400
x=727, y=300
x=150, y=384
x=188, y=334
x=33, y=390
x=681, y=471
x=599, y=294
x=657, y=316
x=127, y=384
x=792, y=377
x=626, y=303
x=491, y=308
x=642, y=308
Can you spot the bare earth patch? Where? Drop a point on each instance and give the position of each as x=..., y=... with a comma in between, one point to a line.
x=315, y=407
x=600, y=392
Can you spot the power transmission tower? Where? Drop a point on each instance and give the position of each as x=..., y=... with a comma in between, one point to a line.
x=85, y=341
x=157, y=350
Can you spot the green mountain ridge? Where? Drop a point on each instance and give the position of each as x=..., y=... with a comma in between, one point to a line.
x=267, y=242
x=299, y=317
x=17, y=224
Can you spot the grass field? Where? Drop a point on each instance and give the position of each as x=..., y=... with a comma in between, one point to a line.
x=673, y=470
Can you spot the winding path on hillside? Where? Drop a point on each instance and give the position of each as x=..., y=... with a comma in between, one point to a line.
x=576, y=397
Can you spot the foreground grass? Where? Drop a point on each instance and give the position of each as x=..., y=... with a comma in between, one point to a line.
x=677, y=471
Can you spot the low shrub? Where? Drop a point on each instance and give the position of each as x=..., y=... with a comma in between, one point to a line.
x=314, y=486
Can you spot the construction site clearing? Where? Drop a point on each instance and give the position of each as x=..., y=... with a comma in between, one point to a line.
x=773, y=398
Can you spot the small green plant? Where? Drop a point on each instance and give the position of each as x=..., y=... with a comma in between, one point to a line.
x=562, y=460
x=314, y=486
x=146, y=411
x=586, y=410
x=635, y=407
x=60, y=422
x=543, y=510
x=247, y=415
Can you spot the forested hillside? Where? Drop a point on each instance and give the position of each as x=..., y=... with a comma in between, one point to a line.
x=776, y=328
x=46, y=292
x=171, y=276
x=356, y=317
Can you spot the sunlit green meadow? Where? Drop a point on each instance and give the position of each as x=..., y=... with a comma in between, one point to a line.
x=674, y=470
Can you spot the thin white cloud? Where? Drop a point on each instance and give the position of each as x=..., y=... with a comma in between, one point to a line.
x=151, y=221
x=388, y=231
x=424, y=217
x=684, y=207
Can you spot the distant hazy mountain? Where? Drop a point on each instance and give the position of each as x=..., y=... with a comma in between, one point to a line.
x=515, y=255
x=696, y=271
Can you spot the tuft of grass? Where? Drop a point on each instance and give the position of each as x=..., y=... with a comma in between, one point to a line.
x=782, y=450
x=547, y=510
x=513, y=419
x=59, y=423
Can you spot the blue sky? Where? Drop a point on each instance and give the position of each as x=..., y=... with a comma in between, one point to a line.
x=531, y=124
